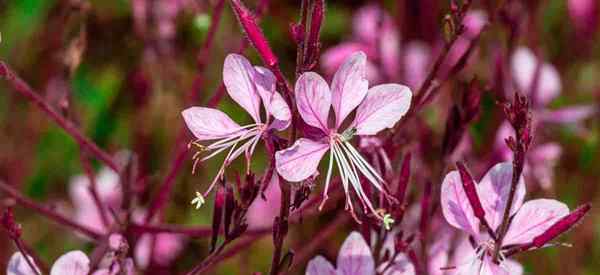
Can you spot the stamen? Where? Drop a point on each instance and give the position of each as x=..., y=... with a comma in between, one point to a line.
x=327, y=180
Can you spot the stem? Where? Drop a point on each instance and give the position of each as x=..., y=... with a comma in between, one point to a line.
x=517, y=170
x=58, y=218
x=24, y=89
x=282, y=225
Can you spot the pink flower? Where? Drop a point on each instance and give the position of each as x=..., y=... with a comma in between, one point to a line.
x=355, y=257
x=528, y=220
x=379, y=107
x=523, y=66
x=247, y=86
x=263, y=211
x=385, y=43
x=540, y=161
x=109, y=194
x=71, y=263
x=166, y=246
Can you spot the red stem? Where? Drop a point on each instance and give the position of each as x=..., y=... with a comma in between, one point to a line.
x=24, y=89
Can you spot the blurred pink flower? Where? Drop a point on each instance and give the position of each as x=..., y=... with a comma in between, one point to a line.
x=166, y=246
x=71, y=263
x=540, y=161
x=247, y=86
x=109, y=194
x=355, y=257
x=377, y=108
x=523, y=66
x=263, y=211
x=528, y=220
x=385, y=43
x=584, y=15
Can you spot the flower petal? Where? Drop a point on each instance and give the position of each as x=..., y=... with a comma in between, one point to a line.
x=313, y=99
x=273, y=101
x=17, y=265
x=320, y=266
x=416, y=61
x=572, y=114
x=494, y=189
x=401, y=266
x=383, y=106
x=301, y=160
x=533, y=219
x=349, y=86
x=208, y=123
x=455, y=205
x=262, y=212
x=238, y=77
x=524, y=64
x=355, y=256
x=71, y=263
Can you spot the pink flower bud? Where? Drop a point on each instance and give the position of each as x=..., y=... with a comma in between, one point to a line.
x=403, y=179
x=255, y=35
x=469, y=186
x=584, y=14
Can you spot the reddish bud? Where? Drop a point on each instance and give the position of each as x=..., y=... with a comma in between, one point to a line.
x=220, y=197
x=403, y=179
x=8, y=221
x=230, y=206
x=255, y=35
x=561, y=226
x=469, y=186
x=297, y=32
x=425, y=208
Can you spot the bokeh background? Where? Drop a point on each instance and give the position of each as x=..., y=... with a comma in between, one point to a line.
x=124, y=74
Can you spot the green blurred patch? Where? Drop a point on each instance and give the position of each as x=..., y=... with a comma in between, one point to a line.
x=19, y=21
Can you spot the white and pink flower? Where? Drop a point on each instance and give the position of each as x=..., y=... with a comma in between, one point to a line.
x=377, y=108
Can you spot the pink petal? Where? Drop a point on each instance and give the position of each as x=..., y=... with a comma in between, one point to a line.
x=494, y=189
x=301, y=160
x=542, y=160
x=349, y=86
x=261, y=212
x=456, y=207
x=320, y=266
x=365, y=25
x=17, y=265
x=313, y=99
x=474, y=22
x=416, y=63
x=355, y=256
x=208, y=123
x=383, y=106
x=523, y=66
x=568, y=115
x=273, y=101
x=71, y=263
x=238, y=77
x=401, y=266
x=389, y=50
x=334, y=57
x=166, y=249
x=533, y=219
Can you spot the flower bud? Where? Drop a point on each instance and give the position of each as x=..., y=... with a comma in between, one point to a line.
x=255, y=35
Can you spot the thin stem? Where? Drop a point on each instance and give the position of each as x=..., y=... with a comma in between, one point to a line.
x=58, y=218
x=24, y=89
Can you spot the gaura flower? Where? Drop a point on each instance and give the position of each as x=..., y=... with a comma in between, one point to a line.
x=167, y=246
x=380, y=43
x=247, y=86
x=540, y=161
x=379, y=107
x=528, y=220
x=355, y=257
x=548, y=87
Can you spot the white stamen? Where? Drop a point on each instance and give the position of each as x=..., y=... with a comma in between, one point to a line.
x=327, y=181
